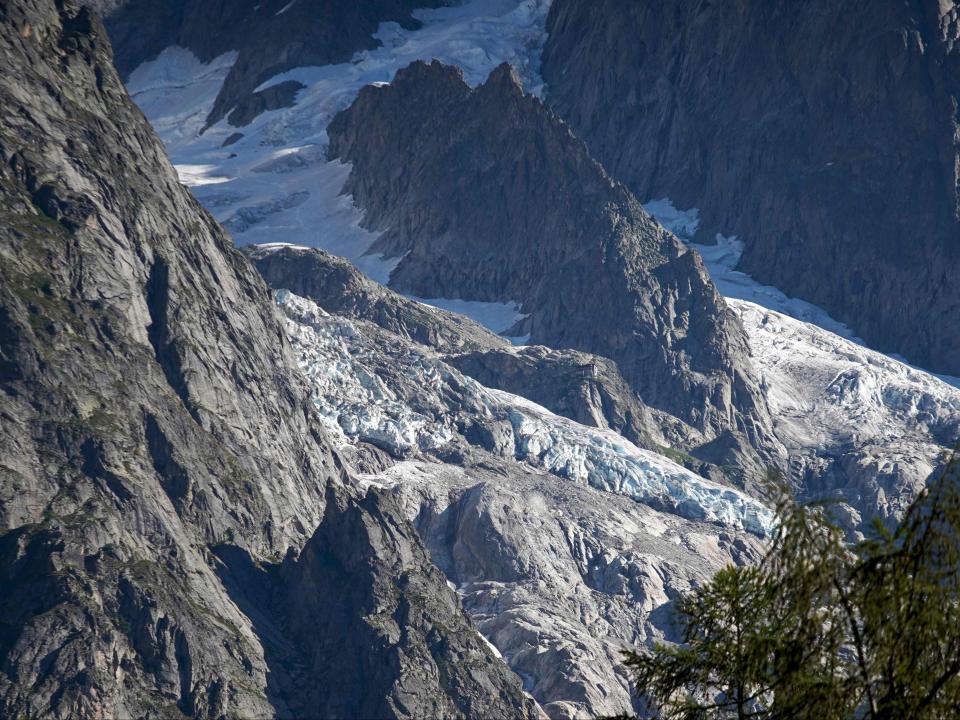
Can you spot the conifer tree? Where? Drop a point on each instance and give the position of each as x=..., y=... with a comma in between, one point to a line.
x=821, y=629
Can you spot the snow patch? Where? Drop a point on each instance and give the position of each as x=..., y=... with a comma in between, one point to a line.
x=494, y=316
x=682, y=223
x=721, y=260
x=282, y=154
x=197, y=175
x=176, y=92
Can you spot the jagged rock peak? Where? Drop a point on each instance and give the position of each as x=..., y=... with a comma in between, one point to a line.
x=486, y=195
x=505, y=76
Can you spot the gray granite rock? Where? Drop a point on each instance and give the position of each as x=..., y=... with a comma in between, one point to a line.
x=583, y=387
x=822, y=134
x=159, y=458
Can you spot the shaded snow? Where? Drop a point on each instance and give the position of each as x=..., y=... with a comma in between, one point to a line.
x=277, y=173
x=682, y=223
x=495, y=316
x=176, y=92
x=722, y=258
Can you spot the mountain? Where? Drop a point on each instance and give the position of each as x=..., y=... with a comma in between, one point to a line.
x=268, y=37
x=586, y=388
x=484, y=194
x=177, y=534
x=823, y=135
x=317, y=496
x=565, y=542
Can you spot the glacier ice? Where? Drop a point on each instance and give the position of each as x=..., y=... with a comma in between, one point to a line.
x=721, y=260
x=412, y=405
x=826, y=390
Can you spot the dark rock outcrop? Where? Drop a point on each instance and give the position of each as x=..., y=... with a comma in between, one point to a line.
x=272, y=98
x=824, y=135
x=488, y=196
x=339, y=288
x=365, y=580
x=152, y=423
x=270, y=36
x=585, y=388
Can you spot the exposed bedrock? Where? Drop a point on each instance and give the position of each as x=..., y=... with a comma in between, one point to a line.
x=152, y=423
x=824, y=135
x=487, y=195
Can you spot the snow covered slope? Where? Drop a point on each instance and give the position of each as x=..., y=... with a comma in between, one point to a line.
x=273, y=183
x=861, y=426
x=826, y=389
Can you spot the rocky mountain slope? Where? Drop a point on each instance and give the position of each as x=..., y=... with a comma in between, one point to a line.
x=339, y=288
x=485, y=195
x=268, y=37
x=586, y=388
x=823, y=135
x=566, y=543
x=504, y=494
x=177, y=535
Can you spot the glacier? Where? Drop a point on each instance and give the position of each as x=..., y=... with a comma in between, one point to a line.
x=825, y=388
x=398, y=398
x=275, y=186
x=873, y=428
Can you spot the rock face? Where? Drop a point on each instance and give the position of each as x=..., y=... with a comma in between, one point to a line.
x=487, y=196
x=579, y=386
x=269, y=36
x=365, y=581
x=159, y=455
x=824, y=136
x=339, y=288
x=559, y=577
